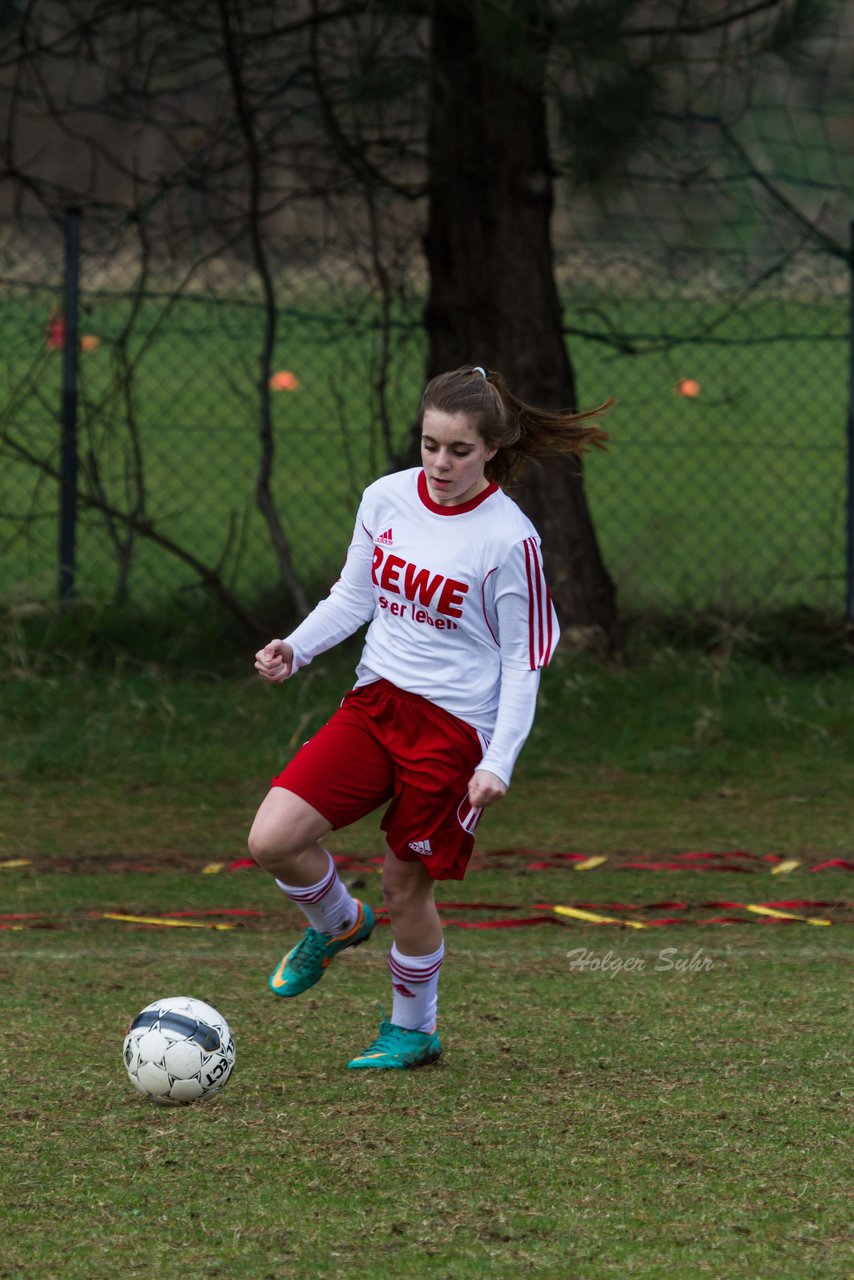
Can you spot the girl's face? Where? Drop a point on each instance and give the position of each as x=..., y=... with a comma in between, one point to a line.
x=453, y=455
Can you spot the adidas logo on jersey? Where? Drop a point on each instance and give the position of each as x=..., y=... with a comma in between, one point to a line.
x=386, y=539
x=421, y=846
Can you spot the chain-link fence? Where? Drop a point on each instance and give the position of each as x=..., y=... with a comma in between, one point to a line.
x=247, y=347
x=725, y=485
x=174, y=455
x=222, y=440
x=727, y=482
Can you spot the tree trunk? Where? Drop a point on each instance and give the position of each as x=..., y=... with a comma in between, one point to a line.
x=492, y=297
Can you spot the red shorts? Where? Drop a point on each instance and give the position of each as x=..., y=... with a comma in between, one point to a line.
x=383, y=744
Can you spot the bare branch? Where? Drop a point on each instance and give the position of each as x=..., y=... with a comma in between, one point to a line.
x=263, y=489
x=700, y=28
x=146, y=528
x=831, y=246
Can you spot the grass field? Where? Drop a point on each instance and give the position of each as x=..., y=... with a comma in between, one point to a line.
x=735, y=738
x=580, y=1125
x=735, y=498
x=612, y=1101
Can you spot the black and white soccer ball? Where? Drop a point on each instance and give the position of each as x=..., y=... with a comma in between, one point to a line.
x=179, y=1050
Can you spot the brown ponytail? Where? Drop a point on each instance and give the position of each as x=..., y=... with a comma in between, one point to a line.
x=518, y=430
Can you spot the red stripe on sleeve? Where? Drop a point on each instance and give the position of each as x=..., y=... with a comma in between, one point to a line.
x=539, y=657
x=531, y=658
x=541, y=589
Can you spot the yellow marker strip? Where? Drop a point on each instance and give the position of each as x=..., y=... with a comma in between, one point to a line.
x=171, y=924
x=589, y=864
x=212, y=868
x=15, y=862
x=783, y=868
x=783, y=915
x=578, y=914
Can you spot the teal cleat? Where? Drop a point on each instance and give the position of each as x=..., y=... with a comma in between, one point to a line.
x=398, y=1049
x=307, y=962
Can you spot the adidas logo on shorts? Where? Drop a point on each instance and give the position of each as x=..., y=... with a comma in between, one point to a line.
x=421, y=847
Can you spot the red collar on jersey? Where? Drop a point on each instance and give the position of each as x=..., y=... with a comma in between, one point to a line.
x=437, y=509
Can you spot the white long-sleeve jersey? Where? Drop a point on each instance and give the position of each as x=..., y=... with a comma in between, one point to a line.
x=458, y=607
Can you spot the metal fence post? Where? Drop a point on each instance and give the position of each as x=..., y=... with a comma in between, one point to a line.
x=68, y=414
x=849, y=549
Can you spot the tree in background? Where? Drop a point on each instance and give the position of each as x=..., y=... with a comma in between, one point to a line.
x=493, y=298
x=447, y=119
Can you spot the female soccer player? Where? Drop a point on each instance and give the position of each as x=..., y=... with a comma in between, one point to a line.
x=446, y=569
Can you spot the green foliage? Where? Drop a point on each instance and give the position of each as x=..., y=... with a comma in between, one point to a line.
x=92, y=635
x=10, y=14
x=725, y=735
x=796, y=25
x=610, y=121
x=592, y=32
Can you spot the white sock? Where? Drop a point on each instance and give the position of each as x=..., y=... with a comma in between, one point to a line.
x=415, y=988
x=327, y=905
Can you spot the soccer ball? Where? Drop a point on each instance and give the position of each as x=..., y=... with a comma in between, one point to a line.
x=179, y=1050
